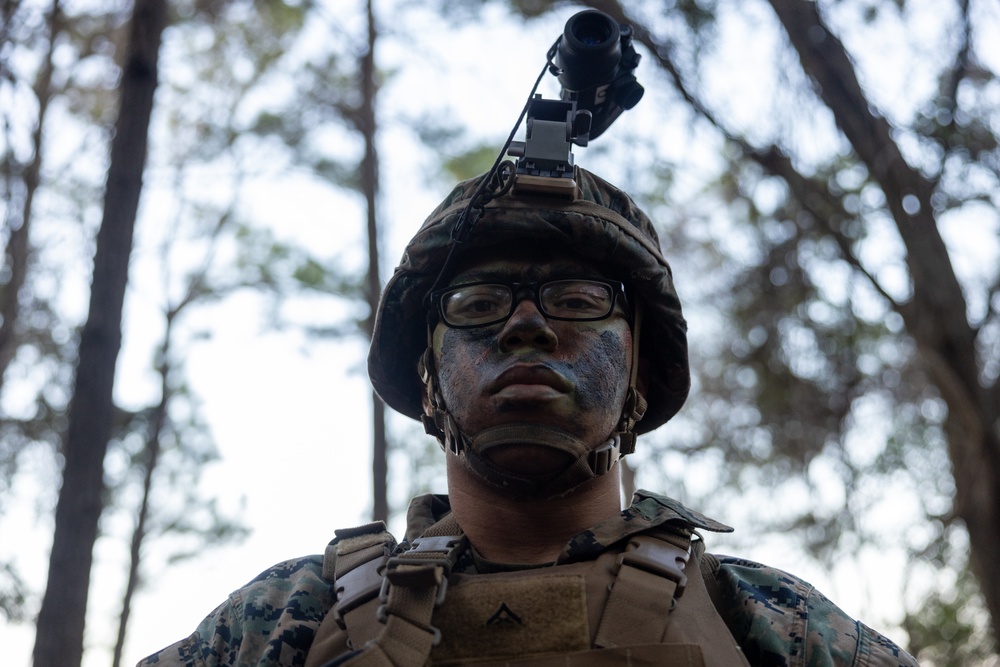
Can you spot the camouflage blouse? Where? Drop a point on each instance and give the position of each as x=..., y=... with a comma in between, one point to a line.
x=777, y=619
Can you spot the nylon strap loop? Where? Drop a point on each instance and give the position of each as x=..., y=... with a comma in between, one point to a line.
x=415, y=583
x=650, y=578
x=355, y=557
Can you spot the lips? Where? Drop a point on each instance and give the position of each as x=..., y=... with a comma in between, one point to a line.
x=533, y=374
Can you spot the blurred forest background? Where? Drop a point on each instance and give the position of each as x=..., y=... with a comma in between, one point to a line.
x=824, y=176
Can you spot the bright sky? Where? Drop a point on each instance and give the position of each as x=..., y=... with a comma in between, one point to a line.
x=290, y=416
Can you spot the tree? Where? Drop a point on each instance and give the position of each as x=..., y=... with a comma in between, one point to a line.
x=364, y=121
x=332, y=93
x=829, y=315
x=20, y=186
x=39, y=324
x=201, y=140
x=20, y=183
x=159, y=430
x=936, y=314
x=59, y=639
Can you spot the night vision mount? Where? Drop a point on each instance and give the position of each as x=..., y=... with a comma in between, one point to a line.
x=594, y=60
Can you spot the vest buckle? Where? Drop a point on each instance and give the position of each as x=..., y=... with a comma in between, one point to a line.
x=657, y=557
x=424, y=567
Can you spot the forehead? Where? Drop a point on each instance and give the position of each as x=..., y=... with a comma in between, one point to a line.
x=528, y=264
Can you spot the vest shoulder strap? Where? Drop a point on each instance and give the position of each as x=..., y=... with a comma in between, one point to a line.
x=363, y=566
x=648, y=579
x=354, y=558
x=352, y=562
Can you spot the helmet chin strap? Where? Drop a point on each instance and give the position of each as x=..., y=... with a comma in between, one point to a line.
x=585, y=463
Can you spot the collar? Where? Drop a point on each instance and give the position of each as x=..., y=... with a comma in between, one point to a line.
x=648, y=510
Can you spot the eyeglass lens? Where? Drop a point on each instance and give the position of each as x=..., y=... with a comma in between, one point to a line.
x=482, y=304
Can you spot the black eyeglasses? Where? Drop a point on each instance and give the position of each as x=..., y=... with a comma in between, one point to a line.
x=485, y=303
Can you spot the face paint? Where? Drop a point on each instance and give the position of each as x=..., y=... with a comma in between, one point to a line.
x=569, y=375
x=606, y=364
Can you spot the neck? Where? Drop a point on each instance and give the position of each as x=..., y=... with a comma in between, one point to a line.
x=526, y=532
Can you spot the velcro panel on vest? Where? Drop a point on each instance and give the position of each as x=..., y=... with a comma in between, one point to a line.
x=507, y=617
x=648, y=655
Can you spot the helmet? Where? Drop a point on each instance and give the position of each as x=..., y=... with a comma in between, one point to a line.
x=599, y=222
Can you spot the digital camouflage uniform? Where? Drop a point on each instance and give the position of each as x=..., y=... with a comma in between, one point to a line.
x=774, y=618
x=777, y=619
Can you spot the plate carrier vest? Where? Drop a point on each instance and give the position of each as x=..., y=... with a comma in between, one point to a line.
x=408, y=609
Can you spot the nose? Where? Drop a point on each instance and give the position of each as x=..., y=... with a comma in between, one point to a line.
x=527, y=327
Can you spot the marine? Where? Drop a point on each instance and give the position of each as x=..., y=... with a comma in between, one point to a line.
x=535, y=332
x=533, y=328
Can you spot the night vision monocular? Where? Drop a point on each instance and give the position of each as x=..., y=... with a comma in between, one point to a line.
x=594, y=60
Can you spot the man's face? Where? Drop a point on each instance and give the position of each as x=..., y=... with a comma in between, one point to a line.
x=572, y=375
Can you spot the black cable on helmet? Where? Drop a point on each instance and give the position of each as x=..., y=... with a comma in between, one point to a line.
x=502, y=177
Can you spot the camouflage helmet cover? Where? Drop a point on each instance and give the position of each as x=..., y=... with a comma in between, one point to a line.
x=602, y=223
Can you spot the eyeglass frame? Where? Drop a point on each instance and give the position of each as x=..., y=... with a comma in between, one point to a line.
x=615, y=287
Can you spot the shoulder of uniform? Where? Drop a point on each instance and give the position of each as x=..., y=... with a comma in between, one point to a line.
x=658, y=506
x=298, y=576
x=295, y=588
x=648, y=512
x=278, y=610
x=773, y=613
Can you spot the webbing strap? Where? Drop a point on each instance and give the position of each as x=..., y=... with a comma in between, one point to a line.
x=415, y=583
x=650, y=577
x=356, y=557
x=407, y=636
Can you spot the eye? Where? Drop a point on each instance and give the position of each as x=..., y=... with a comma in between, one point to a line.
x=476, y=303
x=577, y=299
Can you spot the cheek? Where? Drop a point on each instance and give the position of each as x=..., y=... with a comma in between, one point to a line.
x=458, y=354
x=603, y=367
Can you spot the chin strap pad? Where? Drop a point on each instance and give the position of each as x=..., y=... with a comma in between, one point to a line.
x=586, y=464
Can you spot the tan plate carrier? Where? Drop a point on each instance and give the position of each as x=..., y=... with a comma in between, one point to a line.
x=409, y=609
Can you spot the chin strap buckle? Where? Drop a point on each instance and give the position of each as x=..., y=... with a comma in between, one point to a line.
x=603, y=459
x=632, y=413
x=431, y=427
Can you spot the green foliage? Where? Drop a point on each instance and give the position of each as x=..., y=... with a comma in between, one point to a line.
x=950, y=629
x=471, y=162
x=208, y=76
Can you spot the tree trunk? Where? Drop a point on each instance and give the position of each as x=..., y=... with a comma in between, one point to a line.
x=18, y=251
x=61, y=620
x=156, y=423
x=370, y=185
x=937, y=315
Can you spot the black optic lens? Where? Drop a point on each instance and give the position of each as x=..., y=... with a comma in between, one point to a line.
x=589, y=52
x=592, y=30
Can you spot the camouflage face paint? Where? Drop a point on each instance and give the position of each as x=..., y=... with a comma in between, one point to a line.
x=569, y=375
